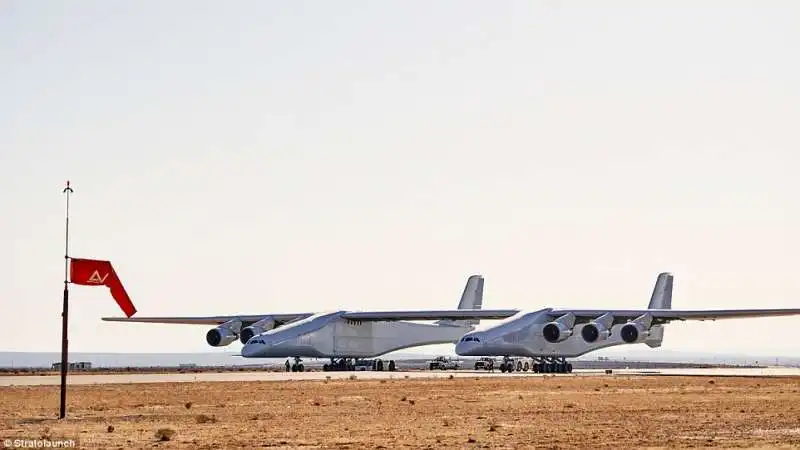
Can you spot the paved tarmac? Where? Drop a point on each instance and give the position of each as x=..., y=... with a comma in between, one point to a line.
x=83, y=379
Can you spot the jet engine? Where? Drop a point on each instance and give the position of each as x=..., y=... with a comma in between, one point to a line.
x=634, y=332
x=593, y=331
x=224, y=334
x=257, y=328
x=220, y=337
x=556, y=332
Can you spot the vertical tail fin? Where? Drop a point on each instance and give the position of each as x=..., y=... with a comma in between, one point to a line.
x=471, y=298
x=662, y=292
x=660, y=299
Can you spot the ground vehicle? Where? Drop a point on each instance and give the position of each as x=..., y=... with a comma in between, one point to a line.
x=514, y=364
x=484, y=363
x=444, y=363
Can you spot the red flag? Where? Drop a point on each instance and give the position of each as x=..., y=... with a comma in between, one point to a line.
x=92, y=272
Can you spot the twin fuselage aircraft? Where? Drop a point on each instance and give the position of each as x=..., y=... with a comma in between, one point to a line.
x=548, y=335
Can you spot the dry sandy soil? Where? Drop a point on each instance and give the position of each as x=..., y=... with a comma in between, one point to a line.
x=496, y=412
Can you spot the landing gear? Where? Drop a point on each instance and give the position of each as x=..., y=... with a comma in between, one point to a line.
x=551, y=364
x=351, y=364
x=339, y=365
x=544, y=364
x=297, y=366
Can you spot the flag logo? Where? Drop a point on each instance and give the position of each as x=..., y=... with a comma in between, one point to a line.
x=96, y=278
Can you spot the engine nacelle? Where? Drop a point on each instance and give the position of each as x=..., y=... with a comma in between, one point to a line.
x=593, y=332
x=634, y=332
x=257, y=328
x=556, y=332
x=220, y=337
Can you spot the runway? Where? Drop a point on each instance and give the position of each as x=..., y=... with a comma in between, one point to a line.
x=34, y=380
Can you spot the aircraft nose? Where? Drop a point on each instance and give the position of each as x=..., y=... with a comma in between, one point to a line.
x=249, y=350
x=468, y=346
x=254, y=346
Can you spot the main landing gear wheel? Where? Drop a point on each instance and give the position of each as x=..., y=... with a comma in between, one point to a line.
x=552, y=365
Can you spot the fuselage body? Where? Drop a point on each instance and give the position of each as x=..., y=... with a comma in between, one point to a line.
x=521, y=335
x=328, y=335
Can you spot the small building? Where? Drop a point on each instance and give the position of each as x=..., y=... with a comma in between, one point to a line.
x=82, y=365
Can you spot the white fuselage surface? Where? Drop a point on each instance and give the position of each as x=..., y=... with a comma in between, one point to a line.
x=328, y=335
x=522, y=335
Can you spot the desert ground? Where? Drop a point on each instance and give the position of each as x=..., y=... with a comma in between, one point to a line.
x=486, y=412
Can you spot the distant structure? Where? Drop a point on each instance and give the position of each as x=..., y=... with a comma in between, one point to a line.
x=82, y=365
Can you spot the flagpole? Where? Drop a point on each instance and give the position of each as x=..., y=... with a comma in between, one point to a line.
x=65, y=309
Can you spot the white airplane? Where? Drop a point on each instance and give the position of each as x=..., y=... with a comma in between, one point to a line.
x=551, y=335
x=342, y=336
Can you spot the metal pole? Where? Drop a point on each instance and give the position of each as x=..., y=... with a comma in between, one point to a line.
x=64, y=314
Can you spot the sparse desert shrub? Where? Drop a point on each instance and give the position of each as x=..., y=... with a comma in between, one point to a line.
x=110, y=429
x=165, y=434
x=202, y=418
x=188, y=405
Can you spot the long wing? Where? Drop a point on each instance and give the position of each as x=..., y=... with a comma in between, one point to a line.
x=364, y=316
x=668, y=315
x=247, y=319
x=445, y=314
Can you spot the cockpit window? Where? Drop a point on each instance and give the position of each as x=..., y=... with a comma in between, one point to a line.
x=470, y=339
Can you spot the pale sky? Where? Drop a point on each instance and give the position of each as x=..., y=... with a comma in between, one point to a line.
x=256, y=157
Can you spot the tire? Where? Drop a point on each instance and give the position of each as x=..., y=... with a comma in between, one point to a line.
x=432, y=366
x=300, y=367
x=392, y=367
x=380, y=365
x=526, y=367
x=325, y=367
x=519, y=366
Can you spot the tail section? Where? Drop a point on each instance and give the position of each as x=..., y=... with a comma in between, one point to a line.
x=660, y=299
x=662, y=292
x=471, y=298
